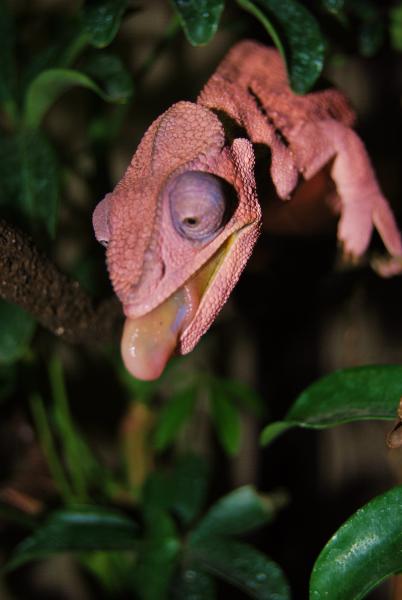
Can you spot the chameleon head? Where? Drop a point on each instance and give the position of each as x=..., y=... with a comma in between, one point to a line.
x=179, y=229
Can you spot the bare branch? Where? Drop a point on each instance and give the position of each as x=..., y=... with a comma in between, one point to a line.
x=28, y=278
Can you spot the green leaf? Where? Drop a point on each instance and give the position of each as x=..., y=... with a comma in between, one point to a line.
x=8, y=379
x=67, y=42
x=356, y=394
x=242, y=566
x=79, y=530
x=395, y=26
x=172, y=417
x=113, y=571
x=49, y=85
x=109, y=71
x=199, y=19
x=296, y=34
x=84, y=470
x=157, y=556
x=7, y=62
x=238, y=390
x=226, y=420
x=182, y=490
x=370, y=28
x=48, y=446
x=274, y=430
x=77, y=456
x=144, y=391
x=371, y=37
x=16, y=330
x=194, y=584
x=190, y=481
x=140, y=391
x=363, y=552
x=14, y=515
x=238, y=512
x=102, y=20
x=333, y=6
x=29, y=183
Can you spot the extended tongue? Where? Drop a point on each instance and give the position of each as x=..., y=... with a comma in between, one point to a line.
x=149, y=341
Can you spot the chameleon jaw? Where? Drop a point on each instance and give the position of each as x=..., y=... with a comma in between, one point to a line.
x=150, y=340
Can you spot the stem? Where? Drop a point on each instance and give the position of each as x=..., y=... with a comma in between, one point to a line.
x=171, y=30
x=75, y=455
x=135, y=432
x=256, y=12
x=49, y=449
x=73, y=50
x=10, y=111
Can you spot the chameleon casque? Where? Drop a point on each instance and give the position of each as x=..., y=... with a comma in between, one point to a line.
x=182, y=222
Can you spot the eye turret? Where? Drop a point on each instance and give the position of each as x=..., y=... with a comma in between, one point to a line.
x=198, y=205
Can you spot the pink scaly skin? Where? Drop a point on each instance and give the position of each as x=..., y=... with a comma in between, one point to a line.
x=176, y=245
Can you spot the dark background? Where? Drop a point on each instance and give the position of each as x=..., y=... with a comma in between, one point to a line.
x=296, y=314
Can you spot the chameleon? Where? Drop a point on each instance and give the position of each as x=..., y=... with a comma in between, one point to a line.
x=182, y=222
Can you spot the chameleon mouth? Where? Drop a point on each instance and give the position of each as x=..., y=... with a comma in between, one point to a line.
x=150, y=340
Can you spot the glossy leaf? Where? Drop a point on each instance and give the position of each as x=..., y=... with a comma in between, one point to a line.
x=109, y=71
x=226, y=419
x=199, y=19
x=356, y=394
x=16, y=330
x=102, y=20
x=238, y=512
x=173, y=416
x=296, y=33
x=157, y=555
x=49, y=85
x=78, y=530
x=242, y=566
x=29, y=182
x=363, y=552
x=194, y=584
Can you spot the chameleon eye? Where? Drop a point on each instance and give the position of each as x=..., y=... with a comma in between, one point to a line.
x=197, y=205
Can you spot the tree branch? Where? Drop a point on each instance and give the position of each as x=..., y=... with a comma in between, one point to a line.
x=28, y=278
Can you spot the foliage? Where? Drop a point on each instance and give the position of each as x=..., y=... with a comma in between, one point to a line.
x=148, y=521
x=363, y=552
x=342, y=397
